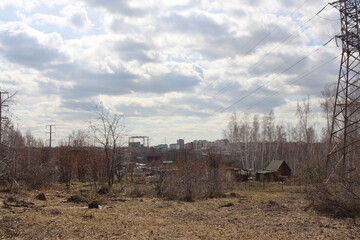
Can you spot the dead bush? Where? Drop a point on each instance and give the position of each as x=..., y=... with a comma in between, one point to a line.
x=190, y=178
x=161, y=179
x=103, y=190
x=334, y=200
x=76, y=199
x=92, y=195
x=337, y=192
x=214, y=175
x=40, y=177
x=137, y=191
x=5, y=188
x=186, y=181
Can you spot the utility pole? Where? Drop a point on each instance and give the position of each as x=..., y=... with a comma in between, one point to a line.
x=343, y=158
x=2, y=101
x=50, y=133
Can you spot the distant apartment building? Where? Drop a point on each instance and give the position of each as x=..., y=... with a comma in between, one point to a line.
x=174, y=146
x=189, y=146
x=161, y=146
x=197, y=145
x=200, y=144
x=181, y=143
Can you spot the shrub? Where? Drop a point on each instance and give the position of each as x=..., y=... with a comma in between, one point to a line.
x=41, y=176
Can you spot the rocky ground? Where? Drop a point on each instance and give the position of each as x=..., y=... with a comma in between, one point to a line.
x=243, y=214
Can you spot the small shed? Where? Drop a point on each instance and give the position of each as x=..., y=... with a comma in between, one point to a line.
x=227, y=169
x=275, y=170
x=244, y=175
x=264, y=175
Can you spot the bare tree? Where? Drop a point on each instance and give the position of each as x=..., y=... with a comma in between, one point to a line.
x=189, y=175
x=232, y=133
x=80, y=153
x=12, y=142
x=108, y=130
x=306, y=130
x=327, y=105
x=5, y=100
x=280, y=139
x=269, y=127
x=245, y=136
x=268, y=137
x=64, y=160
x=254, y=139
x=214, y=181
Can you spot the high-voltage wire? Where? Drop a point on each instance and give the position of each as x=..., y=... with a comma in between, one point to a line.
x=284, y=71
x=277, y=90
x=228, y=86
x=278, y=47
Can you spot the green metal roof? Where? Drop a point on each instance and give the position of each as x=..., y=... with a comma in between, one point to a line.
x=274, y=165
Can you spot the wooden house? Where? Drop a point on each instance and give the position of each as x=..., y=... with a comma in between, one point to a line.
x=276, y=170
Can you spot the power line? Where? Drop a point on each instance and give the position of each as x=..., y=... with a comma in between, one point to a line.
x=328, y=19
x=274, y=29
x=279, y=46
x=284, y=71
x=292, y=82
x=229, y=85
x=288, y=38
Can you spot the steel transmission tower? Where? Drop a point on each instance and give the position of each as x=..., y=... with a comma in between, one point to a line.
x=345, y=133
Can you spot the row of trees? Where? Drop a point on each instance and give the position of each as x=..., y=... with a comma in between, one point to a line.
x=95, y=156
x=332, y=181
x=98, y=156
x=255, y=142
x=27, y=161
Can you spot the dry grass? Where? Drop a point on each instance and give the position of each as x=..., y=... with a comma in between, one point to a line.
x=254, y=213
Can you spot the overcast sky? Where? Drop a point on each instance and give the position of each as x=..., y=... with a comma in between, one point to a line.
x=175, y=68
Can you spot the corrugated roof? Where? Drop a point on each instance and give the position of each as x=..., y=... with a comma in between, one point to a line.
x=274, y=165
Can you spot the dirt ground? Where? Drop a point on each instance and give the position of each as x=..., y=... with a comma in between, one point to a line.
x=251, y=213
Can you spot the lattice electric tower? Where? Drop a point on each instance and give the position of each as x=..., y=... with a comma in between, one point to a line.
x=345, y=134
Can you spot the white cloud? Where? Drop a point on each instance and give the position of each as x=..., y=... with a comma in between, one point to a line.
x=191, y=60
x=40, y=19
x=71, y=16
x=23, y=45
x=77, y=17
x=24, y=4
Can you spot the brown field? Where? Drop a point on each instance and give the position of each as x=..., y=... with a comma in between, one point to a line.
x=252, y=213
